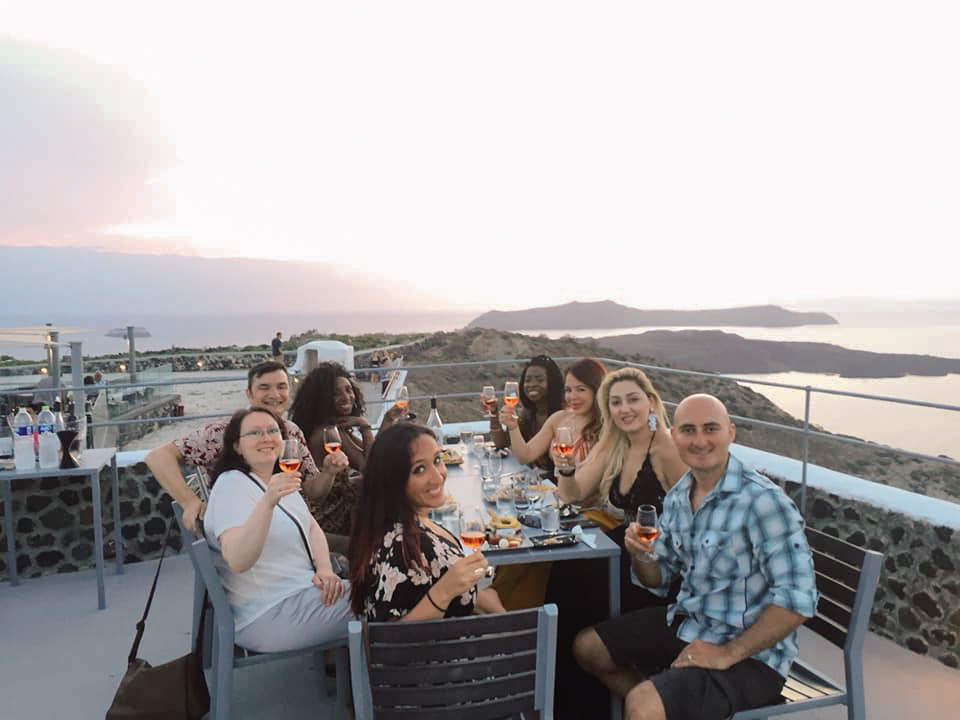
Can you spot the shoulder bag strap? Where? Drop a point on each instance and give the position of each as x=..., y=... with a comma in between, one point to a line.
x=141, y=626
x=294, y=520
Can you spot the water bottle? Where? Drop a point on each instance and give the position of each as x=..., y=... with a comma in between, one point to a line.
x=434, y=422
x=59, y=423
x=6, y=436
x=48, y=443
x=23, y=455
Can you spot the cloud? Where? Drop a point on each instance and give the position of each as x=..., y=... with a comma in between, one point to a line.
x=80, y=148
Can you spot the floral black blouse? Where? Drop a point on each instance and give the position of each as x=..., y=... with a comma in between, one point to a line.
x=398, y=587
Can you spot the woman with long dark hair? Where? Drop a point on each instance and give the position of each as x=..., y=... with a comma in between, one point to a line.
x=581, y=414
x=541, y=395
x=403, y=565
x=273, y=558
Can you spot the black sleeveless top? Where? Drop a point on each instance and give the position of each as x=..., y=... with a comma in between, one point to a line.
x=645, y=490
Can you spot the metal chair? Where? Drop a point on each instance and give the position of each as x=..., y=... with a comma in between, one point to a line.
x=222, y=656
x=847, y=580
x=472, y=668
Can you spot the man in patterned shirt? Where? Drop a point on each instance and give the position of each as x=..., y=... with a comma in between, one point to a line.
x=747, y=583
x=268, y=387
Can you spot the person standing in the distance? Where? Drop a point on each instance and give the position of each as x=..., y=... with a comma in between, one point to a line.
x=277, y=346
x=737, y=543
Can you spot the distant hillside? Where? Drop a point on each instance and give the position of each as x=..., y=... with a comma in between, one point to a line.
x=608, y=314
x=723, y=352
x=880, y=465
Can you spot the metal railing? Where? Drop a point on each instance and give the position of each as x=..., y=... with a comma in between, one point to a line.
x=805, y=429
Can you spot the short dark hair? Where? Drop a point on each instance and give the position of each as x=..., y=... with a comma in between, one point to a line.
x=229, y=458
x=383, y=502
x=267, y=366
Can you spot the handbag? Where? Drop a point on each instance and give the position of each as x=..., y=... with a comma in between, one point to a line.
x=176, y=690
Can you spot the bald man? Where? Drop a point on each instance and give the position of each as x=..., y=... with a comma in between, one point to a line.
x=747, y=583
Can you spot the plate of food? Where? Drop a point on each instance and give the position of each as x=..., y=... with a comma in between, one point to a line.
x=451, y=456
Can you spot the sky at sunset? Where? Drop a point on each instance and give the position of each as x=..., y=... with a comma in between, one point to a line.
x=499, y=154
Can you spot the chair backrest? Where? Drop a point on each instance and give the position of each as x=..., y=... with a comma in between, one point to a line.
x=482, y=666
x=201, y=556
x=846, y=579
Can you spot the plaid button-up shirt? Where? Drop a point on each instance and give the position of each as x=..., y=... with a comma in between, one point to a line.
x=742, y=550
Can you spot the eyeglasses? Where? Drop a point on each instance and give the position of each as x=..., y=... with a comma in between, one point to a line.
x=260, y=433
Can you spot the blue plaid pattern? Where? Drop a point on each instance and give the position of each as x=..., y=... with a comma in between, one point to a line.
x=743, y=549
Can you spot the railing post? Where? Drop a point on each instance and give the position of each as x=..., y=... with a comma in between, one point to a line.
x=806, y=449
x=79, y=394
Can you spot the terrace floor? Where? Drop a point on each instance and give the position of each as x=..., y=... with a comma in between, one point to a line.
x=62, y=658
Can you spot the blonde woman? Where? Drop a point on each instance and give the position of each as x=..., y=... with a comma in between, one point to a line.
x=633, y=463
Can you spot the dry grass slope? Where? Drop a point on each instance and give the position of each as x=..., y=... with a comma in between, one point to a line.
x=880, y=465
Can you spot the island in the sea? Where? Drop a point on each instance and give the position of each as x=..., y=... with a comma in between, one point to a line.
x=606, y=314
x=725, y=352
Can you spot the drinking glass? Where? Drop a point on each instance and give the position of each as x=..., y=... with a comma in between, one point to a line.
x=646, y=519
x=511, y=394
x=473, y=528
x=403, y=398
x=496, y=464
x=550, y=514
x=521, y=497
x=290, y=456
x=466, y=442
x=488, y=397
x=505, y=504
x=331, y=439
x=564, y=442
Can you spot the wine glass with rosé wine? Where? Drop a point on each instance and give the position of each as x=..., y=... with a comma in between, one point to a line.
x=290, y=457
x=511, y=394
x=473, y=528
x=403, y=398
x=646, y=519
x=331, y=439
x=563, y=442
x=488, y=398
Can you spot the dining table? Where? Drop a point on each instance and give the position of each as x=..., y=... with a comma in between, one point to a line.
x=465, y=486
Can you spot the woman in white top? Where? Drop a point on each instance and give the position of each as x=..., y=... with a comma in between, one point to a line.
x=273, y=559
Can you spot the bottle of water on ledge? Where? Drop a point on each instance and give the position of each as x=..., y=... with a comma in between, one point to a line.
x=23, y=455
x=47, y=441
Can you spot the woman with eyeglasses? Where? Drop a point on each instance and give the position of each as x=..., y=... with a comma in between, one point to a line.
x=273, y=558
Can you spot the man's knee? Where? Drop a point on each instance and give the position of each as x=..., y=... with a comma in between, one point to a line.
x=591, y=653
x=643, y=703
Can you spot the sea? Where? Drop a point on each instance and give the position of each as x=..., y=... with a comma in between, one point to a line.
x=928, y=430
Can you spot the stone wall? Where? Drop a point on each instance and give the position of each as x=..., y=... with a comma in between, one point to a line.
x=917, y=603
x=53, y=521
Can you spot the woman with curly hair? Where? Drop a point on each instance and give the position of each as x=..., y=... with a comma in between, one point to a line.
x=329, y=396
x=403, y=565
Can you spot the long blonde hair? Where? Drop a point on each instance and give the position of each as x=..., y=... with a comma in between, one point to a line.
x=613, y=442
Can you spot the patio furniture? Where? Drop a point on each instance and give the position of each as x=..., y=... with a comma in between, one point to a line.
x=481, y=666
x=91, y=462
x=219, y=651
x=847, y=579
